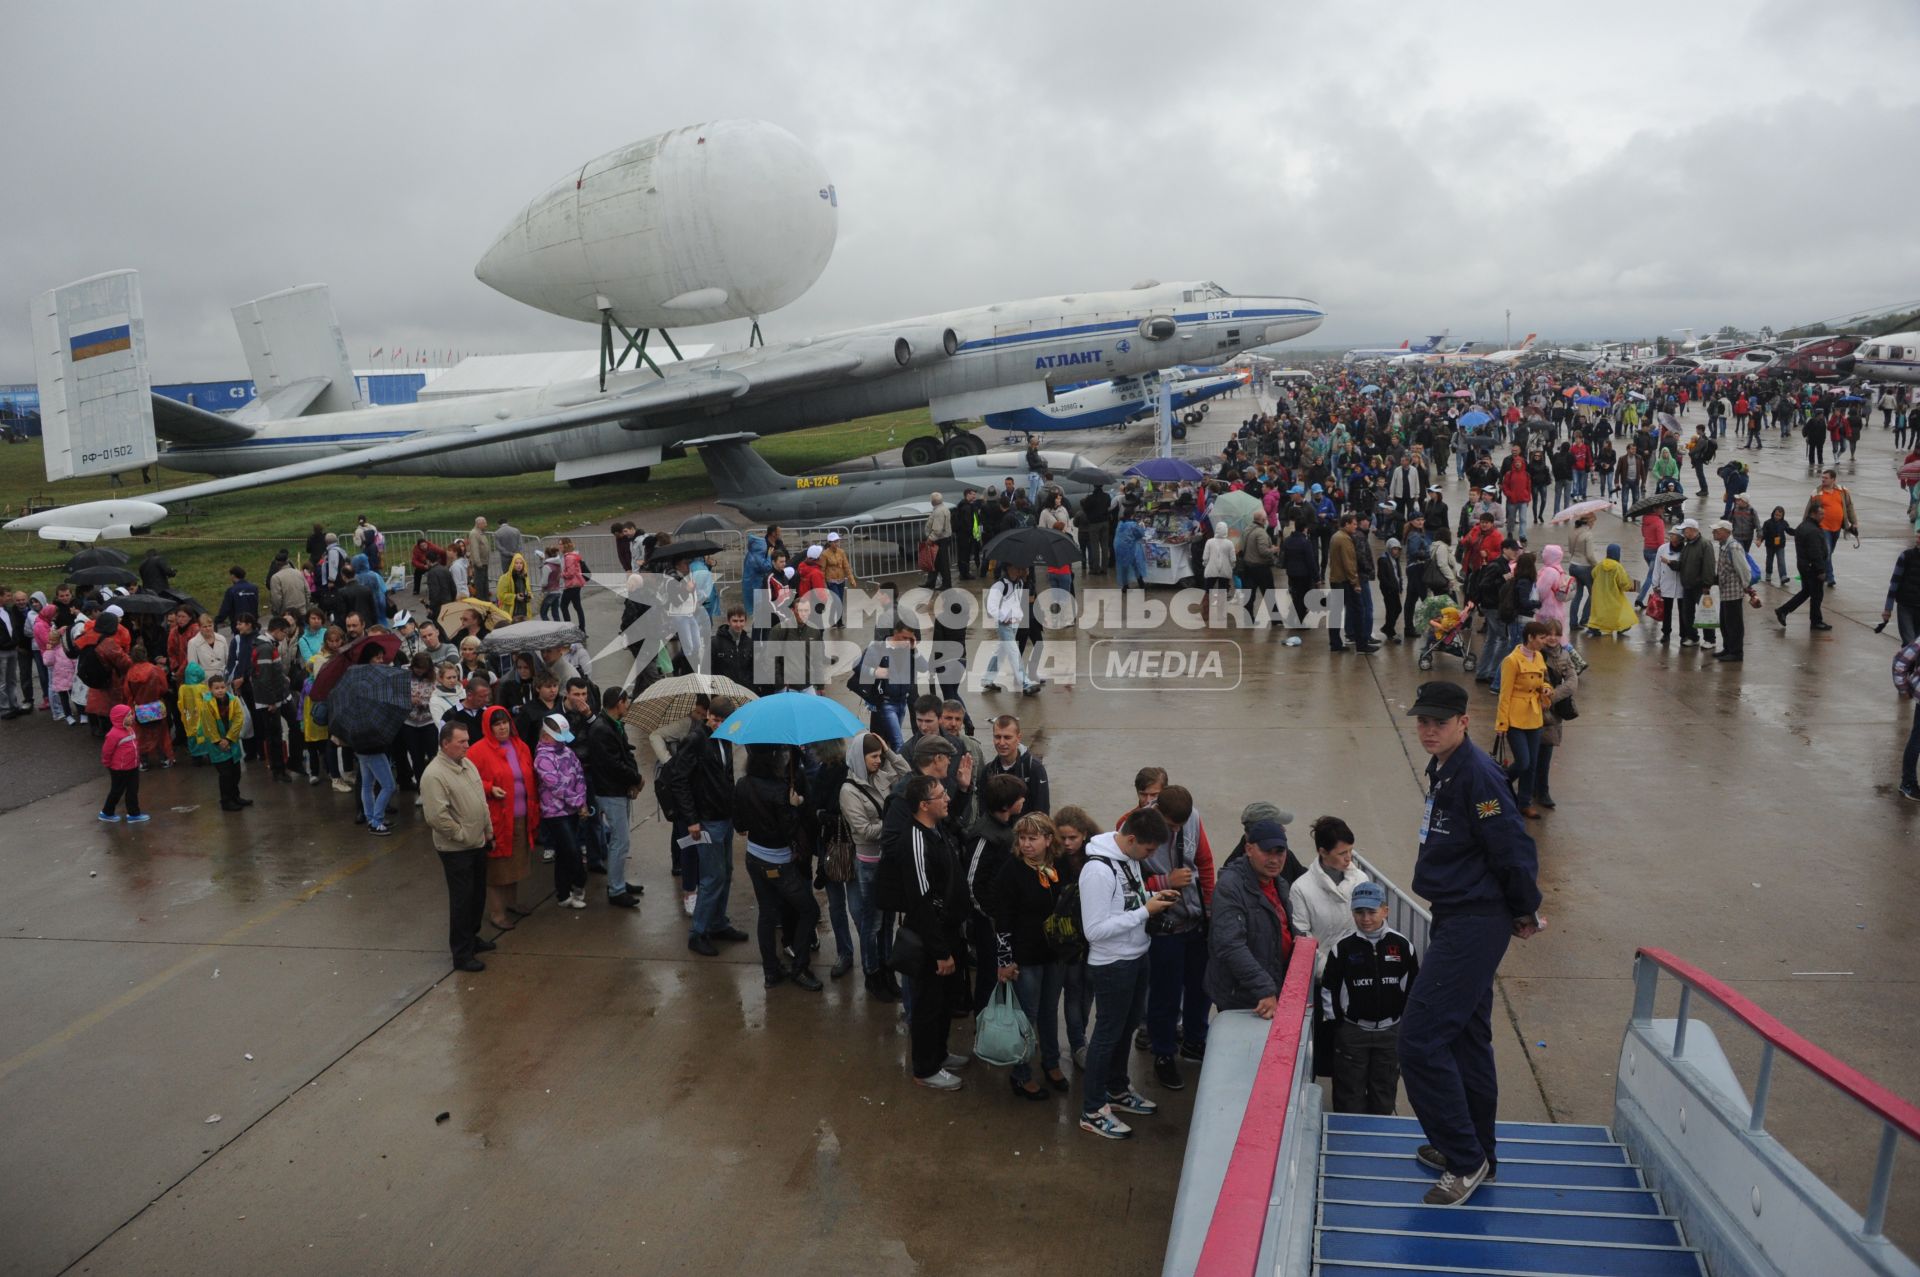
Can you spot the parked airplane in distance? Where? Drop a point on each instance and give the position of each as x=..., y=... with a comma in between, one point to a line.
x=1368, y=354
x=1510, y=356
x=743, y=481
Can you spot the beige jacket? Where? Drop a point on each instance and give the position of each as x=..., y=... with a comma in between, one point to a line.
x=455, y=803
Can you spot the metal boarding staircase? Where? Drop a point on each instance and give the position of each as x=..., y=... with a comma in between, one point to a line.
x=1686, y=1181
x=1568, y=1199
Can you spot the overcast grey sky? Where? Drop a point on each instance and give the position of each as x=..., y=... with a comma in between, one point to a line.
x=1611, y=169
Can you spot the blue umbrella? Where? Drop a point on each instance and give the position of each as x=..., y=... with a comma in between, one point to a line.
x=1164, y=470
x=1475, y=418
x=1369, y=390
x=789, y=718
x=1590, y=401
x=1850, y=399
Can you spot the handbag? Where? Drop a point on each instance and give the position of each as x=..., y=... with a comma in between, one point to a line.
x=151, y=712
x=1502, y=755
x=1002, y=1034
x=908, y=957
x=1656, y=606
x=929, y=556
x=836, y=862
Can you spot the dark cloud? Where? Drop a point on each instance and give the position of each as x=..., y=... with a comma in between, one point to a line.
x=1408, y=168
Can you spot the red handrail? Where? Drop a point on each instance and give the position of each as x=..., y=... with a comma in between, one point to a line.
x=1849, y=1081
x=1240, y=1212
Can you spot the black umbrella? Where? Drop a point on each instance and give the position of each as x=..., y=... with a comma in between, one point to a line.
x=1654, y=502
x=368, y=705
x=1024, y=547
x=106, y=574
x=186, y=601
x=681, y=550
x=144, y=604
x=97, y=556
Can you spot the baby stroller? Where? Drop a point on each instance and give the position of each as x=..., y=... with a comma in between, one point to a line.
x=1449, y=630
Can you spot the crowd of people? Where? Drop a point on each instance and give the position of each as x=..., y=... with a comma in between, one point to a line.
x=945, y=862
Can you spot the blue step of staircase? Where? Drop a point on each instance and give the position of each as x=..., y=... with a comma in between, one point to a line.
x=1568, y=1199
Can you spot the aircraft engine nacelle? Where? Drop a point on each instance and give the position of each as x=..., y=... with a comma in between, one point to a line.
x=928, y=345
x=879, y=354
x=720, y=221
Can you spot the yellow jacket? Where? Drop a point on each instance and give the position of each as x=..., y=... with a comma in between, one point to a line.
x=510, y=595
x=1524, y=690
x=221, y=742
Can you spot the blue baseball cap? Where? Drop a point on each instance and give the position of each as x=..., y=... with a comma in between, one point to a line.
x=1369, y=895
x=1296, y=489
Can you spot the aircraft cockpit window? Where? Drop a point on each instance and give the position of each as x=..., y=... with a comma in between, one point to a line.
x=1209, y=291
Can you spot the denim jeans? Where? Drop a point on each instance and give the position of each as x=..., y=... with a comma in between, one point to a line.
x=716, y=878
x=876, y=926
x=784, y=900
x=1078, y=1000
x=1525, y=744
x=1582, y=605
x=1120, y=1003
x=1580, y=485
x=1833, y=543
x=1646, y=582
x=376, y=787
x=1038, y=988
x=1495, y=649
x=617, y=837
x=838, y=894
x=1562, y=489
x=1177, y=991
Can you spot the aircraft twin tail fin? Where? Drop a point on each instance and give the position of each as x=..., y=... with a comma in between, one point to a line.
x=736, y=470
x=90, y=357
x=296, y=355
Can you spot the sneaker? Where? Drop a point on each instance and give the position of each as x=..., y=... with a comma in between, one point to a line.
x=471, y=964
x=805, y=979
x=1140, y=1042
x=342, y=786
x=1167, y=1073
x=379, y=831
x=1909, y=791
x=957, y=1061
x=1106, y=1125
x=577, y=900
x=313, y=778
x=1188, y=1051
x=1429, y=1156
x=623, y=899
x=1080, y=1058
x=688, y=900
x=105, y=819
x=140, y=819
x=702, y=946
x=1132, y=1102
x=942, y=1081
x=546, y=855
x=1455, y=1189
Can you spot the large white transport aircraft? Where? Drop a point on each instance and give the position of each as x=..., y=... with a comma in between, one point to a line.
x=703, y=224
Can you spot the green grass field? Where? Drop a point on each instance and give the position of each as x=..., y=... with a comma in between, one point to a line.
x=247, y=527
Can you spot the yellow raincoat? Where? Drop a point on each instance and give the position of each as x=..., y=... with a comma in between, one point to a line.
x=516, y=589
x=1612, y=596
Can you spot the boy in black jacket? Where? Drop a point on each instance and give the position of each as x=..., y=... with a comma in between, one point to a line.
x=1363, y=992
x=922, y=878
x=989, y=846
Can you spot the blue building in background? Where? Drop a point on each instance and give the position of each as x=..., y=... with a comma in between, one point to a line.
x=20, y=405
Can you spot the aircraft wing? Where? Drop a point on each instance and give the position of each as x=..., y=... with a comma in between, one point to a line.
x=672, y=392
x=917, y=508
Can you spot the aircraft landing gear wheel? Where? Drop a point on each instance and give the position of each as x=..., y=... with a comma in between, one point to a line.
x=976, y=446
x=955, y=447
x=922, y=450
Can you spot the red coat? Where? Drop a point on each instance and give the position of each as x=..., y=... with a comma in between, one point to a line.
x=145, y=684
x=1515, y=486
x=490, y=760
x=101, y=700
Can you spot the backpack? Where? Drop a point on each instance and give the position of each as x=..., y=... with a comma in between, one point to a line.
x=1066, y=937
x=92, y=670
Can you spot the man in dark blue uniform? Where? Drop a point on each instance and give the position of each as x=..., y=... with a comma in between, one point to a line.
x=1476, y=869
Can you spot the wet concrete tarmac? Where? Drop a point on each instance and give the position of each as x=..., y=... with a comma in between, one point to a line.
x=616, y=1103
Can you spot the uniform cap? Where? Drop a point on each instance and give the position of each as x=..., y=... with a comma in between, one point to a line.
x=1439, y=699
